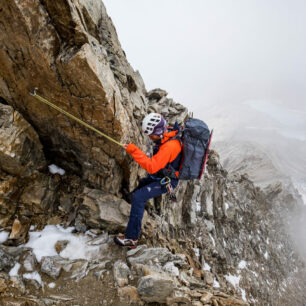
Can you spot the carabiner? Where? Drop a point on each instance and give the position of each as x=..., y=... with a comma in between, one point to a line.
x=165, y=180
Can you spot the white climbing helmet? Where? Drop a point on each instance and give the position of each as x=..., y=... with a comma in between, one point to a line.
x=154, y=123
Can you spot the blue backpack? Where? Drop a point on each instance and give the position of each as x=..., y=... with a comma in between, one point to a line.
x=195, y=138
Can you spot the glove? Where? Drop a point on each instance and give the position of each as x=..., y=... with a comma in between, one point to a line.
x=131, y=148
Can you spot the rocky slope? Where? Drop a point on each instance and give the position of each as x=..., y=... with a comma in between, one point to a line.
x=222, y=243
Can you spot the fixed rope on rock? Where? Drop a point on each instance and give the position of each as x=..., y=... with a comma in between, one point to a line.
x=38, y=97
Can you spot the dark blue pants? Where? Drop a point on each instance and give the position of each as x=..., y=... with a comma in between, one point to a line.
x=148, y=188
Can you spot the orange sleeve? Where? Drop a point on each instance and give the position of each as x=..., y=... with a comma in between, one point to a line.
x=167, y=153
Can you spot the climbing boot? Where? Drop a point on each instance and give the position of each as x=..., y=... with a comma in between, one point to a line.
x=124, y=242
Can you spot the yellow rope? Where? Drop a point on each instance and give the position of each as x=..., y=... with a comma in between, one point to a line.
x=34, y=94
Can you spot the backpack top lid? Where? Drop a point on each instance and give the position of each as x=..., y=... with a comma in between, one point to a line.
x=196, y=128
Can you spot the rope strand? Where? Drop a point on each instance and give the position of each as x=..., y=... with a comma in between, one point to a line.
x=38, y=97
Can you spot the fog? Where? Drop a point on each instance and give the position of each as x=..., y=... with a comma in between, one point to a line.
x=238, y=65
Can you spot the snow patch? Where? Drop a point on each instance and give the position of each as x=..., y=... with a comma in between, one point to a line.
x=206, y=267
x=242, y=264
x=266, y=255
x=55, y=169
x=51, y=285
x=35, y=276
x=216, y=284
x=234, y=280
x=197, y=252
x=42, y=243
x=198, y=206
x=170, y=267
x=3, y=236
x=15, y=269
x=243, y=294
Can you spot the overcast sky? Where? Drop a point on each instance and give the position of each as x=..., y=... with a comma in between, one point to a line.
x=207, y=52
x=239, y=65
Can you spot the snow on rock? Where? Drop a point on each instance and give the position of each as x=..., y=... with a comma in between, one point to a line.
x=212, y=239
x=216, y=284
x=3, y=236
x=196, y=251
x=51, y=285
x=242, y=264
x=206, y=267
x=55, y=169
x=34, y=276
x=243, y=294
x=234, y=280
x=15, y=269
x=171, y=268
x=42, y=243
x=266, y=255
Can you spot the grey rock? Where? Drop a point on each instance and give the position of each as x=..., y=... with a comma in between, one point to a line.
x=190, y=281
x=121, y=273
x=80, y=270
x=101, y=210
x=99, y=274
x=155, y=288
x=29, y=262
x=7, y=261
x=103, y=238
x=138, y=250
x=50, y=266
x=208, y=278
x=172, y=111
x=161, y=255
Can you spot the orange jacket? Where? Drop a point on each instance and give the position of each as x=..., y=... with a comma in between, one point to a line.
x=167, y=153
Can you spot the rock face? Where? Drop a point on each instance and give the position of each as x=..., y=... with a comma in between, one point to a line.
x=70, y=51
x=159, y=103
x=20, y=149
x=224, y=236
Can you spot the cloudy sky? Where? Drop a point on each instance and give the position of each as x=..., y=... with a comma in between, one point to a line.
x=207, y=52
x=239, y=65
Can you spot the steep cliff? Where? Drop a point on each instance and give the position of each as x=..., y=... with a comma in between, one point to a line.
x=224, y=241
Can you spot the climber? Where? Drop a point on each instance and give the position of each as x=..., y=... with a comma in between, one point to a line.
x=166, y=152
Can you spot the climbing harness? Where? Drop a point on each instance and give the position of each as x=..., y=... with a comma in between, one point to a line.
x=38, y=97
x=166, y=181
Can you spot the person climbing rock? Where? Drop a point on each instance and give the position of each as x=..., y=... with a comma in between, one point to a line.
x=166, y=153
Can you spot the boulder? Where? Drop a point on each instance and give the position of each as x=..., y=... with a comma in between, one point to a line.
x=121, y=273
x=103, y=210
x=50, y=266
x=7, y=261
x=155, y=288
